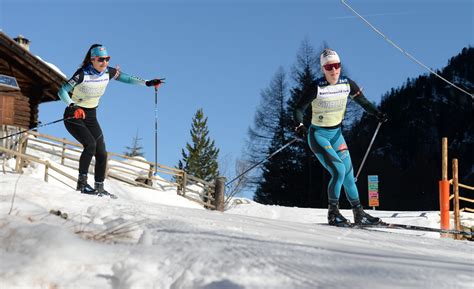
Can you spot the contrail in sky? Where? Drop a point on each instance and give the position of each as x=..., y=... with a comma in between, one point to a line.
x=368, y=15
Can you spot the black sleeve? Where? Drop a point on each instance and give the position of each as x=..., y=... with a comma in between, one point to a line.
x=113, y=73
x=303, y=103
x=76, y=78
x=358, y=96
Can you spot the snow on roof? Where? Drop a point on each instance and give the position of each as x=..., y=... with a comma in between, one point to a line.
x=52, y=66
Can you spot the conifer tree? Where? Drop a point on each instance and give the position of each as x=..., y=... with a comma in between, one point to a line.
x=267, y=122
x=200, y=157
x=288, y=178
x=310, y=178
x=406, y=153
x=136, y=149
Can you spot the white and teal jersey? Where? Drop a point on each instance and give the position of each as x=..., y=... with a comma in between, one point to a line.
x=88, y=85
x=328, y=102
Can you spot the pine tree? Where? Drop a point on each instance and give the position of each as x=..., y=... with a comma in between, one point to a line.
x=291, y=178
x=267, y=122
x=310, y=178
x=270, y=134
x=200, y=157
x=277, y=174
x=136, y=149
x=406, y=154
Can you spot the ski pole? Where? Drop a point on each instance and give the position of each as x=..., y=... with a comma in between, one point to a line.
x=367, y=152
x=156, y=128
x=36, y=127
x=262, y=161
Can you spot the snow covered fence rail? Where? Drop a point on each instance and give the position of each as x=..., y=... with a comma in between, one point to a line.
x=135, y=171
x=130, y=170
x=198, y=190
x=139, y=171
x=60, y=147
x=47, y=164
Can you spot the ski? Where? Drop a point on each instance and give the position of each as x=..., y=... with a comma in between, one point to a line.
x=414, y=228
x=112, y=196
x=94, y=193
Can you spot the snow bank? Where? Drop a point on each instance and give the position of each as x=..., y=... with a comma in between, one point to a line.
x=157, y=239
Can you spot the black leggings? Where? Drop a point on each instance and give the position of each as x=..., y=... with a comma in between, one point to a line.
x=88, y=132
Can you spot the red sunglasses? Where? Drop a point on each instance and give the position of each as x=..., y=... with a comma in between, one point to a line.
x=329, y=67
x=102, y=59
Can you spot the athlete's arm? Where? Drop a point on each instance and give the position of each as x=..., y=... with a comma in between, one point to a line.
x=67, y=87
x=357, y=95
x=303, y=103
x=123, y=77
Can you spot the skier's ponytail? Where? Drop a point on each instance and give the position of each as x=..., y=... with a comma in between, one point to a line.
x=87, y=58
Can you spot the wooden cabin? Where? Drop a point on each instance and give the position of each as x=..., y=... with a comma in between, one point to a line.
x=25, y=82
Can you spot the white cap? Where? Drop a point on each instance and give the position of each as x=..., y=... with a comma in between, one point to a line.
x=328, y=55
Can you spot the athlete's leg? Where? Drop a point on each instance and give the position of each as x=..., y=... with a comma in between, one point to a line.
x=350, y=187
x=320, y=143
x=100, y=152
x=78, y=129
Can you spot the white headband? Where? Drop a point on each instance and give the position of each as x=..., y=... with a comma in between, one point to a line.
x=328, y=55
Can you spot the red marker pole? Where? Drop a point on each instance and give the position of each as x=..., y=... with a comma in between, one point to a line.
x=444, y=186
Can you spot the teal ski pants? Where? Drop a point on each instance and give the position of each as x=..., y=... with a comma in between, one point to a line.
x=330, y=148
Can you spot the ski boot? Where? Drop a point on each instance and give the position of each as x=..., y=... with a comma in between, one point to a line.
x=83, y=186
x=364, y=219
x=99, y=188
x=335, y=218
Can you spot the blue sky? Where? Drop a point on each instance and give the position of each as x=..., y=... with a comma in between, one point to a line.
x=219, y=55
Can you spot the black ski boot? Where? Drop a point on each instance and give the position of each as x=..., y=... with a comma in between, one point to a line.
x=99, y=188
x=335, y=218
x=83, y=186
x=364, y=219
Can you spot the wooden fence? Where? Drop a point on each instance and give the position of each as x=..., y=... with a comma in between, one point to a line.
x=445, y=195
x=456, y=197
x=133, y=171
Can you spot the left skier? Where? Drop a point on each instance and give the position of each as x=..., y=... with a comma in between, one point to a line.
x=86, y=87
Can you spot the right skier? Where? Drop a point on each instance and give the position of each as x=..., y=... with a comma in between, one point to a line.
x=328, y=100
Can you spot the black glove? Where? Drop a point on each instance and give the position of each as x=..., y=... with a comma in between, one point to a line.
x=301, y=131
x=154, y=82
x=381, y=117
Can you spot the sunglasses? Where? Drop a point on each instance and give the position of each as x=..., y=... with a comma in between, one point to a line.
x=329, y=67
x=102, y=59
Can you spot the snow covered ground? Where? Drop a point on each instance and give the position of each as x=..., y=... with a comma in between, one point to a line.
x=157, y=239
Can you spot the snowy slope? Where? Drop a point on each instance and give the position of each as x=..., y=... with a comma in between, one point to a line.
x=153, y=239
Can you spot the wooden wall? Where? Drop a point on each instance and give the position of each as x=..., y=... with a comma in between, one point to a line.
x=20, y=108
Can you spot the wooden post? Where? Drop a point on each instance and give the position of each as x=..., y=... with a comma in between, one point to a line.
x=207, y=189
x=219, y=193
x=184, y=181
x=457, y=220
x=63, y=152
x=150, y=174
x=444, y=158
x=25, y=144
x=18, y=158
x=46, y=168
x=444, y=186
